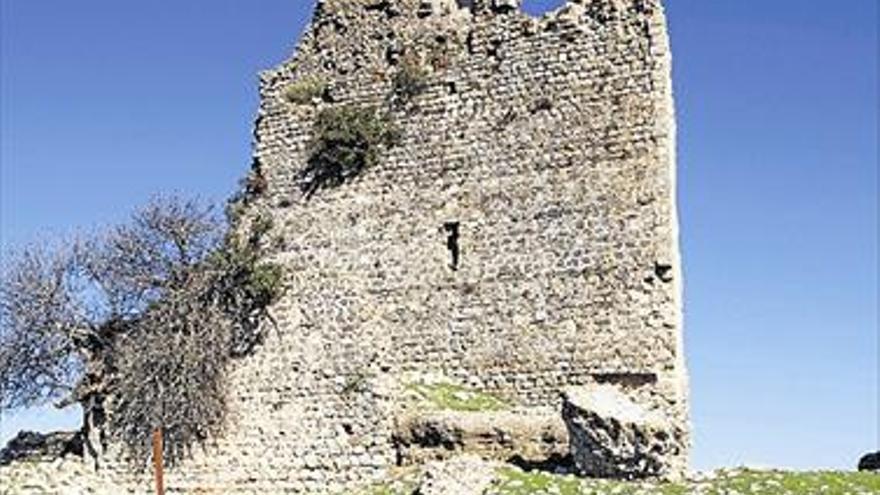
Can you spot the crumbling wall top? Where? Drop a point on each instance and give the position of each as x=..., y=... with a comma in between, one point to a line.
x=424, y=8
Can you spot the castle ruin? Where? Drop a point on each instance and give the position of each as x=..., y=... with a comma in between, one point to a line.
x=519, y=237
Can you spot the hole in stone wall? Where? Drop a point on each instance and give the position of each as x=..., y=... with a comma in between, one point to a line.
x=538, y=8
x=663, y=272
x=452, y=234
x=493, y=50
x=626, y=380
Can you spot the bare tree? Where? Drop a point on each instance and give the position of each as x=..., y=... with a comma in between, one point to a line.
x=181, y=344
x=139, y=321
x=42, y=327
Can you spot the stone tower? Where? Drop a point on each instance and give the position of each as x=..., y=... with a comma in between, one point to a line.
x=519, y=237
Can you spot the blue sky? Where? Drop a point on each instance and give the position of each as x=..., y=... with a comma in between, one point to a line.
x=103, y=103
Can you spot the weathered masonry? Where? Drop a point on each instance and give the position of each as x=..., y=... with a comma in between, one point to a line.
x=518, y=236
x=521, y=236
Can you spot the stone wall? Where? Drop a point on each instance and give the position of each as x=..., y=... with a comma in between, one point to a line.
x=549, y=145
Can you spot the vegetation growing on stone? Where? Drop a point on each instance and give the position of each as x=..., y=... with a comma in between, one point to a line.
x=450, y=397
x=255, y=184
x=142, y=319
x=260, y=225
x=346, y=140
x=304, y=91
x=410, y=80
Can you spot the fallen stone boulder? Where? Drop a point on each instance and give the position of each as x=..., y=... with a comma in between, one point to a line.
x=870, y=462
x=611, y=436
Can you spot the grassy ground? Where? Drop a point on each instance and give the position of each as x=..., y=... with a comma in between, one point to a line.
x=733, y=482
x=449, y=397
x=742, y=482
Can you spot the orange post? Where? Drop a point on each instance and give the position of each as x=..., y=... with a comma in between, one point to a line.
x=158, y=463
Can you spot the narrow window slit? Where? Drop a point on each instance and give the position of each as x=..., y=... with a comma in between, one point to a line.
x=452, y=234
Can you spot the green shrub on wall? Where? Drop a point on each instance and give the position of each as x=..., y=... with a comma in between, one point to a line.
x=304, y=91
x=347, y=140
x=410, y=80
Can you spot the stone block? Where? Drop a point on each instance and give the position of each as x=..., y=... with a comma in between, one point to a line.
x=611, y=436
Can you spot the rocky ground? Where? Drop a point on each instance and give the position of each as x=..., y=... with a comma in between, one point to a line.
x=471, y=477
x=67, y=476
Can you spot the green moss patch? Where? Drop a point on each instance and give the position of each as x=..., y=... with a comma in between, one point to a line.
x=449, y=397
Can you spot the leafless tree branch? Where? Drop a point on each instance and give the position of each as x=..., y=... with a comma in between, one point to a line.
x=142, y=319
